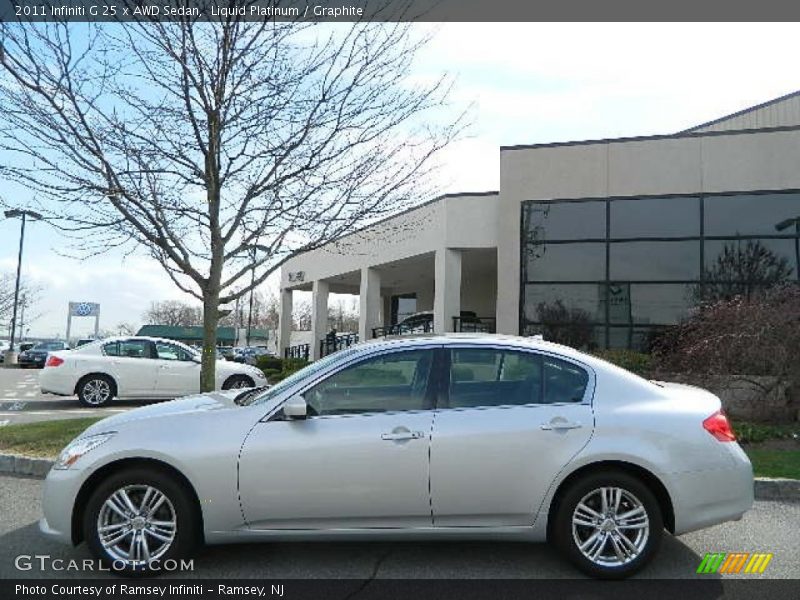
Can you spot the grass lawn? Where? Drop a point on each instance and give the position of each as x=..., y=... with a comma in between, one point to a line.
x=775, y=463
x=43, y=439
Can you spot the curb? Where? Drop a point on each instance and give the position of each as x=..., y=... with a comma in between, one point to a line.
x=15, y=464
x=765, y=488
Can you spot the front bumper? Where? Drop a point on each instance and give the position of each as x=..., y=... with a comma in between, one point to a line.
x=59, y=493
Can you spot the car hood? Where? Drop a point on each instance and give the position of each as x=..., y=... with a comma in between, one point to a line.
x=187, y=405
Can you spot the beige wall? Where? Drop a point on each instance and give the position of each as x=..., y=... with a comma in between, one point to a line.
x=782, y=113
x=657, y=166
x=459, y=221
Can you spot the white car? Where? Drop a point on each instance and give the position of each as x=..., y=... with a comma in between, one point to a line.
x=136, y=367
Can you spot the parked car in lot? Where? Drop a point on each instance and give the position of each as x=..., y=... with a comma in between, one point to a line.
x=37, y=354
x=4, y=347
x=136, y=367
x=424, y=437
x=84, y=341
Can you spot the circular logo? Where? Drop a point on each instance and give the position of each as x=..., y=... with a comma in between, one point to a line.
x=84, y=309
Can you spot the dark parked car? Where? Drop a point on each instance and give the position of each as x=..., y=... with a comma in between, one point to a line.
x=37, y=355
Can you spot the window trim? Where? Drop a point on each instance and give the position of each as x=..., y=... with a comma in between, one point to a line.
x=588, y=394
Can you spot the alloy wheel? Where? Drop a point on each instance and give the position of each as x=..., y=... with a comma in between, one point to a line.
x=136, y=525
x=96, y=391
x=610, y=526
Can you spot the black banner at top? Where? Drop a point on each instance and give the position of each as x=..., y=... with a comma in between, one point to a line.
x=400, y=10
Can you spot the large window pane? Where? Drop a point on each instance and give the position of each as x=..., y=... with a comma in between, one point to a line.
x=487, y=377
x=643, y=303
x=762, y=261
x=544, y=303
x=564, y=220
x=655, y=261
x=655, y=217
x=635, y=338
x=392, y=382
x=749, y=214
x=565, y=262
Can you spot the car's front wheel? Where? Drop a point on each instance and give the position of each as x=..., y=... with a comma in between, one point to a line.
x=137, y=520
x=608, y=524
x=96, y=390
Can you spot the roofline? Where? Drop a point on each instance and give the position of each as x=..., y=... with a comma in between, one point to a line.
x=744, y=111
x=401, y=213
x=648, y=138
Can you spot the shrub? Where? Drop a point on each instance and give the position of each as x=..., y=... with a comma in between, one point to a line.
x=636, y=362
x=758, y=337
x=753, y=433
x=276, y=369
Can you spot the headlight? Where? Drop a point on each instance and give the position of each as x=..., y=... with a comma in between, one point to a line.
x=79, y=447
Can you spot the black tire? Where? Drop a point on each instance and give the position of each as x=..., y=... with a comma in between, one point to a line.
x=238, y=381
x=135, y=481
x=634, y=495
x=96, y=390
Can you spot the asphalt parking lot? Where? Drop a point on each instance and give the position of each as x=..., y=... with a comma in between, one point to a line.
x=769, y=527
x=21, y=401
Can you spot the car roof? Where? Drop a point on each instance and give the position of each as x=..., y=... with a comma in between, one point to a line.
x=486, y=339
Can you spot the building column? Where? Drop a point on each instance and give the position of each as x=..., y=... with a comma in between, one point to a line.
x=319, y=315
x=369, y=312
x=447, y=289
x=285, y=322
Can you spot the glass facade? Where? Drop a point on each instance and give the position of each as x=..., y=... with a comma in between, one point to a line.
x=612, y=272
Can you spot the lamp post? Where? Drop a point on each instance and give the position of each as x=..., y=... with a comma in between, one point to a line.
x=253, y=248
x=11, y=356
x=785, y=224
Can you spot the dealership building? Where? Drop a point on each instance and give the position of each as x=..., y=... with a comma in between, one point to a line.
x=623, y=236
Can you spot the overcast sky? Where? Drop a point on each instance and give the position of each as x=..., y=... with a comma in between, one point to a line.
x=529, y=83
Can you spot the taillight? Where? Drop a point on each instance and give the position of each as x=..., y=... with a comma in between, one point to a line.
x=719, y=426
x=54, y=361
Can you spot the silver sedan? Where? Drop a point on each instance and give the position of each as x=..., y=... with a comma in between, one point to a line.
x=431, y=437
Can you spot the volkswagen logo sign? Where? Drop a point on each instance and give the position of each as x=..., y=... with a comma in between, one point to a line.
x=84, y=309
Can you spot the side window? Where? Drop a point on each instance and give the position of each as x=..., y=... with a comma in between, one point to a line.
x=563, y=381
x=134, y=349
x=111, y=349
x=488, y=377
x=166, y=351
x=391, y=382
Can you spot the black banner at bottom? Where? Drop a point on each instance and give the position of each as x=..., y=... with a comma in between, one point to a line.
x=391, y=589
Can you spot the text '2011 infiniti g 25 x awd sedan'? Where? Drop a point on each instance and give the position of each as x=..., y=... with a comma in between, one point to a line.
x=473, y=437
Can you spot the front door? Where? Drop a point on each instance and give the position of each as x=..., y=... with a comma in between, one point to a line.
x=511, y=421
x=359, y=460
x=131, y=366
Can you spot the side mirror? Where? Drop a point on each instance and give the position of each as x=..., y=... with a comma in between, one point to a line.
x=295, y=408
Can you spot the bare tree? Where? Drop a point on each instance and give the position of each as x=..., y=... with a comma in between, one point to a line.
x=744, y=268
x=201, y=141
x=28, y=296
x=173, y=313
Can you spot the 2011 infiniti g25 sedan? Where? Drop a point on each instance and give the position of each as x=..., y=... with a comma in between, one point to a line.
x=473, y=437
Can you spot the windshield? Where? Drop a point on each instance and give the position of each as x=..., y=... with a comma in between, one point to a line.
x=298, y=376
x=49, y=346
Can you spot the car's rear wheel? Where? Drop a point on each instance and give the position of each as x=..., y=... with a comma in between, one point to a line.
x=96, y=390
x=137, y=520
x=237, y=382
x=608, y=524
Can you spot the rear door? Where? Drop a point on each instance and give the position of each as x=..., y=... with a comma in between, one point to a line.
x=509, y=421
x=130, y=363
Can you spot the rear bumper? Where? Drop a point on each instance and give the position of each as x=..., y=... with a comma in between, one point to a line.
x=705, y=498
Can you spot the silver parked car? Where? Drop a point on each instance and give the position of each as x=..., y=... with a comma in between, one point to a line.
x=458, y=436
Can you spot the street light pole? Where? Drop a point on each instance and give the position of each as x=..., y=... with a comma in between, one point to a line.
x=10, y=214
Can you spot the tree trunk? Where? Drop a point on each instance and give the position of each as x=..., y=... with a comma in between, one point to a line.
x=210, y=319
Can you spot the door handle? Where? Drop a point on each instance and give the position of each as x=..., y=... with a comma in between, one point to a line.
x=402, y=435
x=560, y=425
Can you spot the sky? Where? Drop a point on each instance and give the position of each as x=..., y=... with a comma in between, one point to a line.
x=526, y=83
